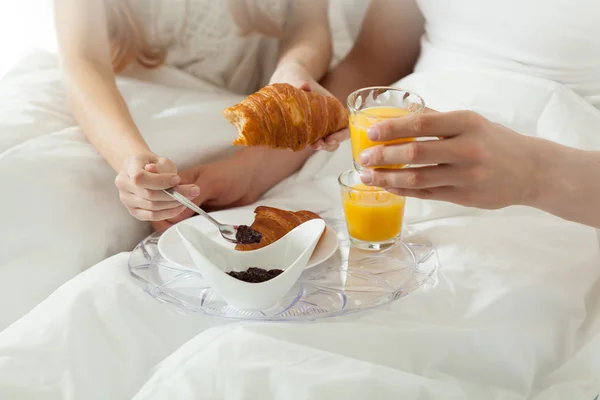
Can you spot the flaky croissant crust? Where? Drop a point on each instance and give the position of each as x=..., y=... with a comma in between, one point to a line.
x=282, y=116
x=274, y=223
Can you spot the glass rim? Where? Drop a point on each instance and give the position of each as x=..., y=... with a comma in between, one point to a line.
x=353, y=171
x=390, y=88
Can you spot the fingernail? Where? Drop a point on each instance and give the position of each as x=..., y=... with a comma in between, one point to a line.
x=175, y=180
x=364, y=157
x=373, y=133
x=366, y=177
x=195, y=191
x=331, y=142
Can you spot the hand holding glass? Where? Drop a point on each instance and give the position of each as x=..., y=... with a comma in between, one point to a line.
x=372, y=105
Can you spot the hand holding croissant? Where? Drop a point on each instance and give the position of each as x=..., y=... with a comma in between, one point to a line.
x=282, y=116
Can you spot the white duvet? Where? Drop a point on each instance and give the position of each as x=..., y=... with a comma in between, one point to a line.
x=515, y=314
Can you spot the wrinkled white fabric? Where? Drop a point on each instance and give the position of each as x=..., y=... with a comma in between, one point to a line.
x=61, y=191
x=515, y=315
x=62, y=213
x=557, y=40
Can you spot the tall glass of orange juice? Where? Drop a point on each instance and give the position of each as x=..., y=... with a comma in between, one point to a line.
x=369, y=106
x=373, y=215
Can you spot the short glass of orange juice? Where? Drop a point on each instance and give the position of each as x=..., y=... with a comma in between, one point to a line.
x=373, y=215
x=371, y=105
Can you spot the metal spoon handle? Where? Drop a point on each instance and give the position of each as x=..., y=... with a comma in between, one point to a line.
x=184, y=200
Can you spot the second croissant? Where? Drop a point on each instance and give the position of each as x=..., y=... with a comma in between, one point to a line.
x=282, y=116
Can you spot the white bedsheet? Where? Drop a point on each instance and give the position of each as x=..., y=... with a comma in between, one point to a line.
x=515, y=315
x=39, y=139
x=56, y=189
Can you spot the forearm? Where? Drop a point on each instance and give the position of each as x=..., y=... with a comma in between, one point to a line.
x=85, y=53
x=267, y=167
x=568, y=183
x=102, y=113
x=307, y=40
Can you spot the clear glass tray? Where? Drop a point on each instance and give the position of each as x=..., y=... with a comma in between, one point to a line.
x=351, y=280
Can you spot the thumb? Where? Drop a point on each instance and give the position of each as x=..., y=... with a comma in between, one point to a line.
x=305, y=86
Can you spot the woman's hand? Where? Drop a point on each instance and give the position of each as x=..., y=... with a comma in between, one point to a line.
x=476, y=163
x=332, y=142
x=296, y=75
x=222, y=184
x=140, y=182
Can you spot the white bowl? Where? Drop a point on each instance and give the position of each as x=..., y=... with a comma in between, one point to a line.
x=290, y=254
x=172, y=249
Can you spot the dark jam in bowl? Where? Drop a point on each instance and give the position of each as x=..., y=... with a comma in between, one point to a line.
x=247, y=235
x=255, y=275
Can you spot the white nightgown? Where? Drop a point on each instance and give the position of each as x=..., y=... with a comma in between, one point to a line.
x=202, y=39
x=557, y=40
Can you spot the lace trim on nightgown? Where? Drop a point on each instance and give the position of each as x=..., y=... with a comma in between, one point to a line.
x=202, y=39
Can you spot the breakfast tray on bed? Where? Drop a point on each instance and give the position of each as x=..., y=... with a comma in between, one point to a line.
x=351, y=280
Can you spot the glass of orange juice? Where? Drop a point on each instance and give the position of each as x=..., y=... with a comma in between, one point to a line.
x=373, y=215
x=371, y=105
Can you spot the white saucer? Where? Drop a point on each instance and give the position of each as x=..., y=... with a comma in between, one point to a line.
x=172, y=248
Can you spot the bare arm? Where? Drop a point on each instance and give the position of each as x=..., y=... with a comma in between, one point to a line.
x=385, y=51
x=568, y=183
x=307, y=40
x=305, y=55
x=103, y=114
x=95, y=100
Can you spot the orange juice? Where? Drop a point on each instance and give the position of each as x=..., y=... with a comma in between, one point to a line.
x=363, y=120
x=372, y=214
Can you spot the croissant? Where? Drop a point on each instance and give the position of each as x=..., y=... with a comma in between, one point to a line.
x=273, y=224
x=282, y=116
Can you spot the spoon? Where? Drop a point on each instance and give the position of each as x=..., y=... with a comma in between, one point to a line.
x=241, y=234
